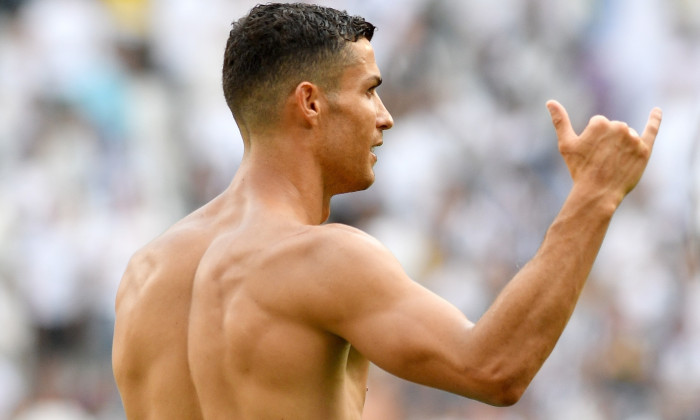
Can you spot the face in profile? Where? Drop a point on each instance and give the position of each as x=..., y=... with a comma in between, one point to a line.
x=355, y=122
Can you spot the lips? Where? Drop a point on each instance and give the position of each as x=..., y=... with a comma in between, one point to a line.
x=374, y=146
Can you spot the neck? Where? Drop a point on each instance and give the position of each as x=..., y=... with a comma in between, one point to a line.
x=284, y=181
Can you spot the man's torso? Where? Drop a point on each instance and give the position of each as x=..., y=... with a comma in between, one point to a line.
x=212, y=322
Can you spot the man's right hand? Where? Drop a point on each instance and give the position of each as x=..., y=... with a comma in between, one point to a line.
x=608, y=157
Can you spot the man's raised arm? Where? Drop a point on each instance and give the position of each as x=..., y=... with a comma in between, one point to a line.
x=363, y=295
x=524, y=323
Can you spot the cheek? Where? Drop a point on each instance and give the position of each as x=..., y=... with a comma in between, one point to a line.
x=365, y=118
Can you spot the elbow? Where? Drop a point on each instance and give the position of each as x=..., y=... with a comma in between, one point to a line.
x=506, y=396
x=502, y=394
x=502, y=390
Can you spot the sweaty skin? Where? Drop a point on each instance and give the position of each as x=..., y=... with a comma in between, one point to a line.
x=251, y=308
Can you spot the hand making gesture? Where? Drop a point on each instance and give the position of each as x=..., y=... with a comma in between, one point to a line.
x=608, y=156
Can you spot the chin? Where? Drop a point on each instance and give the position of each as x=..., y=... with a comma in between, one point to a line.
x=359, y=186
x=369, y=184
x=368, y=181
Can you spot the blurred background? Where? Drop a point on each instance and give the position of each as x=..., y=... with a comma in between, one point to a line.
x=113, y=126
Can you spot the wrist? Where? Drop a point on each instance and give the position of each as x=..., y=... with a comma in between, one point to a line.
x=600, y=201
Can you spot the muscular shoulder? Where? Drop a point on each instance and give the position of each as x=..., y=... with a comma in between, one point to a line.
x=335, y=249
x=169, y=257
x=340, y=238
x=340, y=269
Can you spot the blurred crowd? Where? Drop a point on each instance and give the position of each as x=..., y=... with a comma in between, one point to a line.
x=113, y=126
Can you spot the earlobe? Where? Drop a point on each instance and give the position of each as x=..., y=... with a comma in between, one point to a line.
x=308, y=97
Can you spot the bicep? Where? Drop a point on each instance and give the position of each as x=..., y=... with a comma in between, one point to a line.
x=401, y=326
x=409, y=333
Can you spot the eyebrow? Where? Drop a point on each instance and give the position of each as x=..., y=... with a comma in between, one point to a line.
x=377, y=80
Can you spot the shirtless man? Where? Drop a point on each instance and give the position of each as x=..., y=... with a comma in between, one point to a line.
x=252, y=308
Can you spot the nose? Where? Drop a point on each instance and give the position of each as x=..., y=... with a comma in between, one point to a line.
x=384, y=119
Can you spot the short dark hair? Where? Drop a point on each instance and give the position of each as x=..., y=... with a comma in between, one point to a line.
x=277, y=46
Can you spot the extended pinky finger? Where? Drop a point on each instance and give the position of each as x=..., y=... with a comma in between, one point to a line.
x=652, y=128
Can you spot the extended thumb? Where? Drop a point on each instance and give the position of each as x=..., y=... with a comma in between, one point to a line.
x=560, y=119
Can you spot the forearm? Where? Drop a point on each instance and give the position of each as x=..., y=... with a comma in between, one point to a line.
x=523, y=324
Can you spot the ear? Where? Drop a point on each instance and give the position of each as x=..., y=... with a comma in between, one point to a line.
x=308, y=102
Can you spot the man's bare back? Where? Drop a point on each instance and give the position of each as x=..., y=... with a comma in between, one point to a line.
x=213, y=322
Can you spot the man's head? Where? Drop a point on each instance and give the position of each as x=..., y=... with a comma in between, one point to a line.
x=277, y=46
